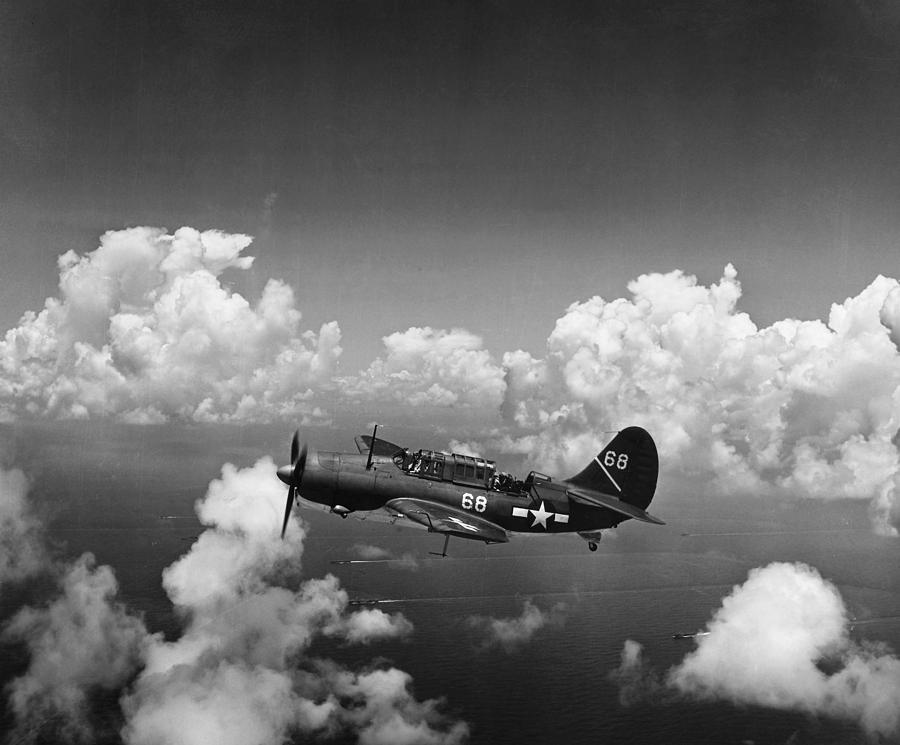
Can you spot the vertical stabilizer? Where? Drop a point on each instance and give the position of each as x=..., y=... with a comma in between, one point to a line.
x=627, y=468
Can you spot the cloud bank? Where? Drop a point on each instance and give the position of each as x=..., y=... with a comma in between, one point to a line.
x=432, y=367
x=144, y=329
x=780, y=640
x=801, y=408
x=240, y=672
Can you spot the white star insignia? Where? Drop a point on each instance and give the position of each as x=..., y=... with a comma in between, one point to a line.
x=540, y=517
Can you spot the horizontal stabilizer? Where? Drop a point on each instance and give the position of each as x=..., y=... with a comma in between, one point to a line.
x=382, y=447
x=609, y=502
x=448, y=520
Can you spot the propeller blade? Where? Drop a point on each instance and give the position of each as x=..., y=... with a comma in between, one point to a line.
x=287, y=510
x=295, y=440
x=298, y=464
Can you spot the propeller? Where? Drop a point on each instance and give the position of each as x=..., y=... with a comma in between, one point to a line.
x=292, y=475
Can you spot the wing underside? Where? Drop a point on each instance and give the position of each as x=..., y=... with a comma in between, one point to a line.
x=382, y=515
x=440, y=518
x=609, y=502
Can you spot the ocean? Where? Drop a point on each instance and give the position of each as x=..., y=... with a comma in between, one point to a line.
x=127, y=494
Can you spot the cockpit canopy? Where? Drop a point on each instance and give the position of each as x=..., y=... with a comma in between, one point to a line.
x=460, y=469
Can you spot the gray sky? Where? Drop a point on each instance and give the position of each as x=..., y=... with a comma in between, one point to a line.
x=460, y=164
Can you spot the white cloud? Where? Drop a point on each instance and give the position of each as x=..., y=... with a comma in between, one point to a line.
x=781, y=640
x=799, y=408
x=512, y=633
x=382, y=710
x=223, y=704
x=636, y=680
x=242, y=548
x=370, y=624
x=145, y=330
x=81, y=642
x=234, y=674
x=890, y=315
x=764, y=641
x=432, y=367
x=240, y=671
x=22, y=552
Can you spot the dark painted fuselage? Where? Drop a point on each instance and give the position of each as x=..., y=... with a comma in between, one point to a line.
x=342, y=482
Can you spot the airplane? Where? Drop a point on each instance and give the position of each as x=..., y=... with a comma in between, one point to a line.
x=467, y=497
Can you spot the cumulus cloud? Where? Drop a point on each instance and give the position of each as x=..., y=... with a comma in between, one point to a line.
x=890, y=315
x=781, y=640
x=22, y=552
x=800, y=408
x=238, y=554
x=144, y=329
x=370, y=624
x=82, y=642
x=240, y=671
x=513, y=633
x=246, y=634
x=432, y=367
x=226, y=704
x=383, y=711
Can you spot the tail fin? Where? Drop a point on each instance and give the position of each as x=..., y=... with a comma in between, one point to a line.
x=627, y=468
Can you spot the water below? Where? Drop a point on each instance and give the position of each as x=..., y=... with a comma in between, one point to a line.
x=126, y=494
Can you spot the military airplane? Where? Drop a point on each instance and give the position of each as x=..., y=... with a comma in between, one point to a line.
x=467, y=497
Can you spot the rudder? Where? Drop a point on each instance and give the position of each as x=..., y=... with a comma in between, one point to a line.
x=626, y=468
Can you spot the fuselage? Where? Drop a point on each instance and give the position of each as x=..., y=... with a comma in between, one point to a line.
x=538, y=505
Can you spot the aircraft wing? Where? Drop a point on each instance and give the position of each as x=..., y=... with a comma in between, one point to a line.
x=382, y=447
x=609, y=502
x=443, y=519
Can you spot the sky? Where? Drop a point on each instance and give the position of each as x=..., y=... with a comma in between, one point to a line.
x=528, y=224
x=523, y=225
x=480, y=165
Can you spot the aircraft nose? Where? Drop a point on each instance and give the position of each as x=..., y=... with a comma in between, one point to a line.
x=284, y=473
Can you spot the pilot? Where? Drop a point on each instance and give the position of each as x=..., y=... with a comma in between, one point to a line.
x=417, y=464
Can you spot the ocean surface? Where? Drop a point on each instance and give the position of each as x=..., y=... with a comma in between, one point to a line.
x=127, y=494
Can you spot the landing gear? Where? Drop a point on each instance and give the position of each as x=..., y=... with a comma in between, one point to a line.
x=593, y=538
x=442, y=554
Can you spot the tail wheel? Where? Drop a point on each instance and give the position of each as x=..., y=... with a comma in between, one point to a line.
x=592, y=546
